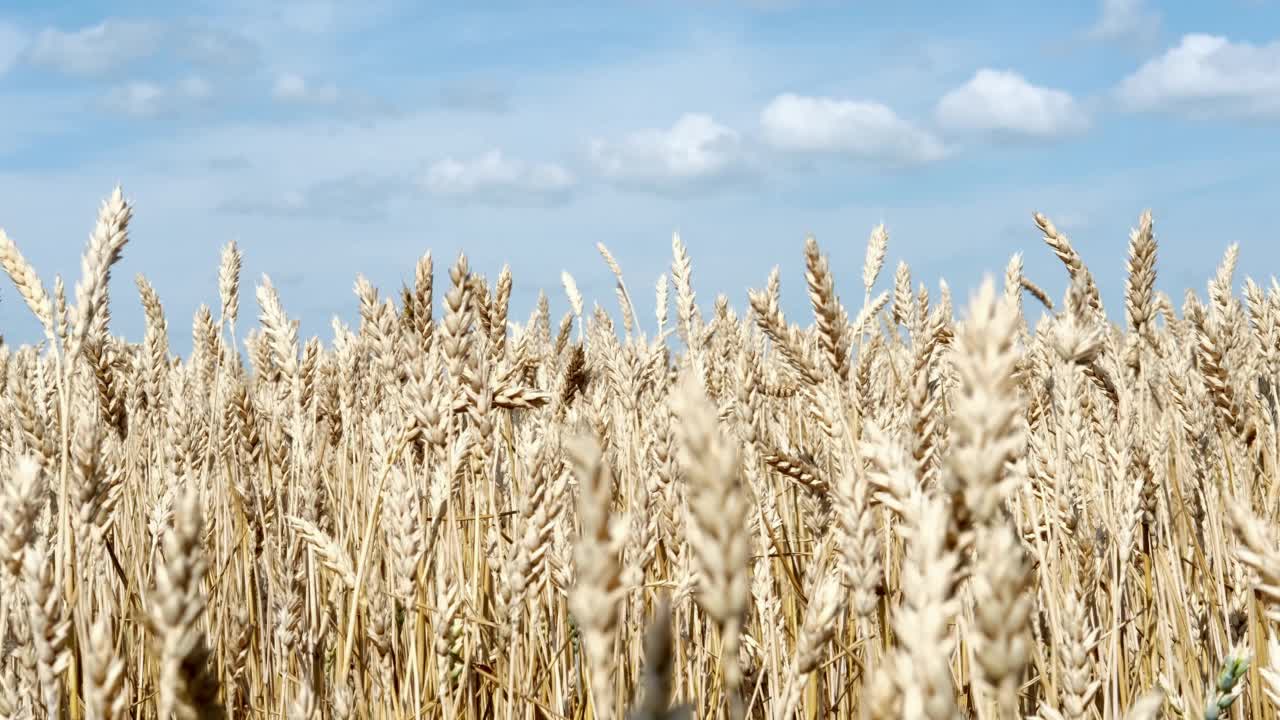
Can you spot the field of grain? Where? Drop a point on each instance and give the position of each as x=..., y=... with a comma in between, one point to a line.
x=1013, y=508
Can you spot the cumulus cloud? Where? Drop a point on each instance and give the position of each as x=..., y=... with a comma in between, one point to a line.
x=1207, y=75
x=1001, y=101
x=96, y=49
x=854, y=128
x=494, y=178
x=1126, y=19
x=147, y=99
x=696, y=149
x=292, y=87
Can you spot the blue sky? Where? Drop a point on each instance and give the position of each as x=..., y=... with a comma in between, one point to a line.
x=331, y=139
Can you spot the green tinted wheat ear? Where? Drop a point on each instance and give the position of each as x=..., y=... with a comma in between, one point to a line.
x=1228, y=685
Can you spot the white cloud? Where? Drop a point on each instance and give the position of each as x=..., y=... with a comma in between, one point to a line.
x=696, y=148
x=318, y=17
x=12, y=42
x=495, y=178
x=1208, y=75
x=357, y=197
x=112, y=44
x=140, y=99
x=96, y=49
x=216, y=47
x=194, y=87
x=1003, y=101
x=861, y=129
x=291, y=87
x=1123, y=19
x=147, y=99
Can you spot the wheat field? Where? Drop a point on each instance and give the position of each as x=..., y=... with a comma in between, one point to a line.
x=1014, y=508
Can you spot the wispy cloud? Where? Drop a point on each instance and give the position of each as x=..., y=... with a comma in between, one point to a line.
x=212, y=46
x=494, y=178
x=148, y=99
x=1207, y=75
x=97, y=49
x=113, y=45
x=695, y=150
x=294, y=88
x=136, y=98
x=320, y=17
x=358, y=198
x=858, y=129
x=12, y=42
x=1004, y=102
x=1126, y=20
